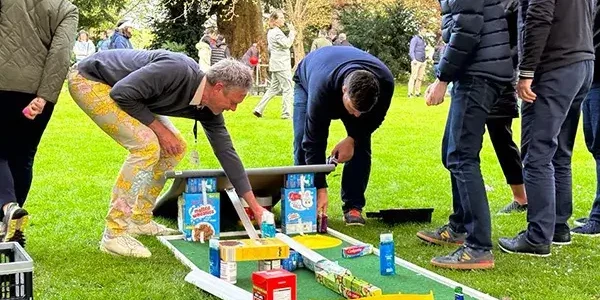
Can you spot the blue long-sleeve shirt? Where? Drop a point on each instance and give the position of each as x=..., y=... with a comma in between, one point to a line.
x=321, y=74
x=417, y=48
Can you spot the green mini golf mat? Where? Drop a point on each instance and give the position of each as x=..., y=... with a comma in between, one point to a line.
x=367, y=268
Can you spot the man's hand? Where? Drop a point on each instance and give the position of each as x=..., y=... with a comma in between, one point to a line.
x=167, y=139
x=344, y=150
x=524, y=90
x=258, y=212
x=322, y=201
x=435, y=93
x=35, y=107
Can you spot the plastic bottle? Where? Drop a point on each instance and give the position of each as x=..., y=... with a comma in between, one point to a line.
x=387, y=263
x=214, y=258
x=268, y=225
x=458, y=293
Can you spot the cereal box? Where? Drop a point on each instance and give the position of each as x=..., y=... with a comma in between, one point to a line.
x=274, y=285
x=199, y=216
x=253, y=249
x=299, y=210
x=294, y=181
x=194, y=185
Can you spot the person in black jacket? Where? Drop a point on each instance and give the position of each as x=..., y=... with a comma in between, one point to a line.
x=477, y=60
x=499, y=123
x=555, y=74
x=591, y=130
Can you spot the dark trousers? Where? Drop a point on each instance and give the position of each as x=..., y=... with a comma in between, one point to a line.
x=472, y=99
x=548, y=135
x=591, y=131
x=509, y=157
x=355, y=176
x=19, y=138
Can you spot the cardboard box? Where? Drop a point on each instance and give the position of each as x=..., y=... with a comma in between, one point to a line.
x=198, y=219
x=299, y=210
x=341, y=280
x=294, y=181
x=274, y=285
x=253, y=249
x=194, y=185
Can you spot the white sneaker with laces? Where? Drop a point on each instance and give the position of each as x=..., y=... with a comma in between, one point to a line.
x=151, y=228
x=124, y=245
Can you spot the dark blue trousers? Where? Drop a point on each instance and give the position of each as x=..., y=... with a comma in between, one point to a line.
x=591, y=131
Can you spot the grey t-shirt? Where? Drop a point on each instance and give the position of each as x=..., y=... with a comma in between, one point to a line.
x=145, y=83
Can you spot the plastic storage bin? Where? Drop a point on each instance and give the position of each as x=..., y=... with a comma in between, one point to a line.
x=16, y=272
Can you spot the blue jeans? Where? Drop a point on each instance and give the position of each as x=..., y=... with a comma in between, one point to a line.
x=549, y=126
x=355, y=176
x=591, y=131
x=472, y=99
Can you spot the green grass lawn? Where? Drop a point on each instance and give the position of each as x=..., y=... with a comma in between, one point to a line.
x=77, y=164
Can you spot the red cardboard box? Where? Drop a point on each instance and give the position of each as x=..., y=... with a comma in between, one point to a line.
x=278, y=284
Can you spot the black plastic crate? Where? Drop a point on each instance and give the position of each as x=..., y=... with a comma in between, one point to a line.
x=16, y=272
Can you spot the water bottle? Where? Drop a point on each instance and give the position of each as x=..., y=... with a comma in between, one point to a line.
x=458, y=293
x=214, y=258
x=387, y=263
x=267, y=226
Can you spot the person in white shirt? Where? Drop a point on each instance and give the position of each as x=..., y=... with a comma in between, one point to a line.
x=83, y=47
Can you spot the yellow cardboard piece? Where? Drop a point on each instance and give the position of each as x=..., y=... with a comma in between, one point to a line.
x=401, y=297
x=317, y=241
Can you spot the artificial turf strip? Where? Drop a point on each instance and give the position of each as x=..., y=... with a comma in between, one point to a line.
x=366, y=268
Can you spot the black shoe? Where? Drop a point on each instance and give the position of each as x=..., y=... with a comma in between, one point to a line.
x=354, y=217
x=513, y=207
x=465, y=258
x=444, y=235
x=581, y=221
x=14, y=221
x=590, y=228
x=520, y=245
x=562, y=235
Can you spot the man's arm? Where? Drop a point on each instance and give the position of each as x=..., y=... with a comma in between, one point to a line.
x=59, y=56
x=283, y=41
x=144, y=84
x=316, y=132
x=222, y=146
x=467, y=16
x=411, y=51
x=537, y=25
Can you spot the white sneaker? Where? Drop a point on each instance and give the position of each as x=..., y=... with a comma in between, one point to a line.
x=124, y=245
x=151, y=228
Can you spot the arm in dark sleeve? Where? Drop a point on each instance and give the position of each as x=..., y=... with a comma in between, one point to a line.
x=316, y=132
x=467, y=16
x=120, y=43
x=538, y=22
x=144, y=84
x=220, y=141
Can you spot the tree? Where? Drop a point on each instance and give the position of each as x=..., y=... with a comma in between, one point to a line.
x=242, y=25
x=427, y=13
x=98, y=13
x=181, y=22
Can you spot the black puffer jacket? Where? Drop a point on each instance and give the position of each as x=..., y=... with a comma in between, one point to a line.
x=506, y=106
x=480, y=43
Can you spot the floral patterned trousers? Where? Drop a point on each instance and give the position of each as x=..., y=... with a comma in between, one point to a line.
x=141, y=178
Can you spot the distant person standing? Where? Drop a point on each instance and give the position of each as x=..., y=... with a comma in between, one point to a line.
x=83, y=46
x=220, y=51
x=417, y=63
x=342, y=40
x=34, y=60
x=250, y=58
x=104, y=41
x=321, y=40
x=280, y=65
x=121, y=37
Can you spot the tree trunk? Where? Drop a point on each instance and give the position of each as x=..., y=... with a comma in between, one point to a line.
x=244, y=28
x=298, y=47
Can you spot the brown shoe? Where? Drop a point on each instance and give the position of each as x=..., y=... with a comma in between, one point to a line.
x=444, y=235
x=466, y=258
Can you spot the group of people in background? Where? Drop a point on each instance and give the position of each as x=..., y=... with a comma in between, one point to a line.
x=118, y=38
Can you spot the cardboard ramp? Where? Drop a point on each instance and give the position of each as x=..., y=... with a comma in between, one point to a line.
x=264, y=182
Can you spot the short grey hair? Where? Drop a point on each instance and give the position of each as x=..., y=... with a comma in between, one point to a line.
x=342, y=36
x=232, y=73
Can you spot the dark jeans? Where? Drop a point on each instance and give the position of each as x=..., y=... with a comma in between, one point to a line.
x=472, y=99
x=548, y=135
x=19, y=138
x=506, y=150
x=591, y=131
x=355, y=176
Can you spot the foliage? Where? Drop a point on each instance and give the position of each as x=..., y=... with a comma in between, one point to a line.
x=142, y=38
x=173, y=46
x=182, y=22
x=385, y=34
x=427, y=13
x=98, y=13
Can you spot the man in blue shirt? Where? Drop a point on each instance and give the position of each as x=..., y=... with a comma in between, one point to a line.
x=417, y=63
x=343, y=83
